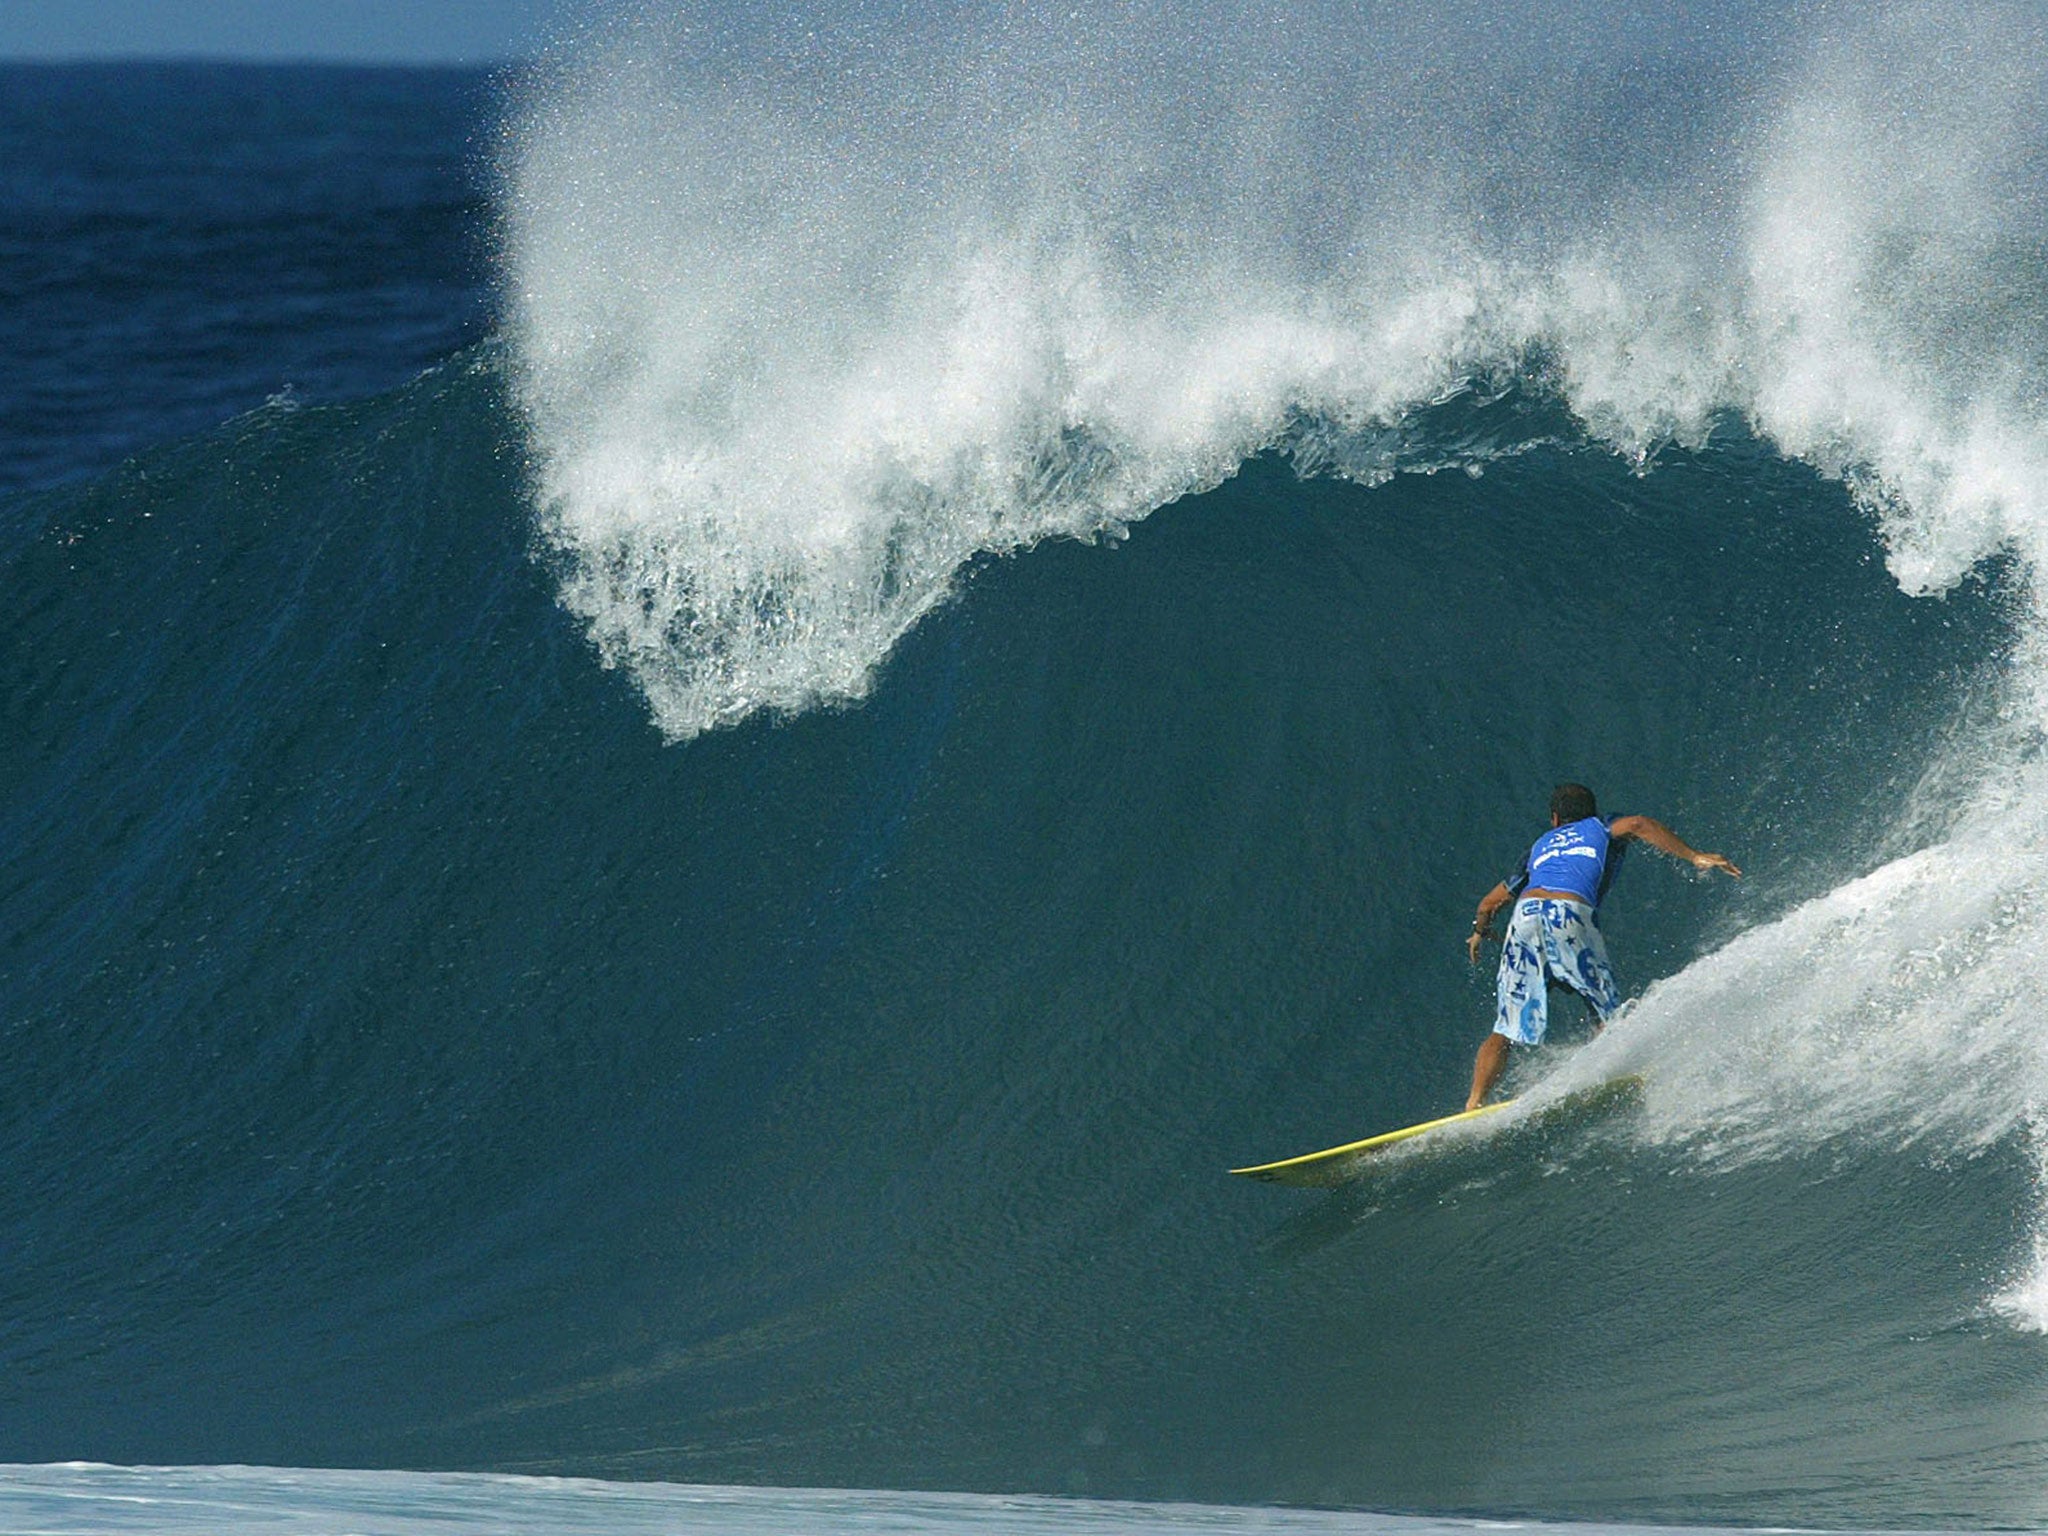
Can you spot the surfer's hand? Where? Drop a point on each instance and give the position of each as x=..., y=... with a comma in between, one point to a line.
x=1472, y=946
x=1714, y=861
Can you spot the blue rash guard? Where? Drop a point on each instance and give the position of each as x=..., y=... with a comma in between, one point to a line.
x=1555, y=939
x=1577, y=858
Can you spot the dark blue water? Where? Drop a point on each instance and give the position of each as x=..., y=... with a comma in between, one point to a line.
x=180, y=243
x=429, y=1048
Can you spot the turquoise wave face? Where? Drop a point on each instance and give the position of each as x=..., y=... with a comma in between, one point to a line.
x=421, y=1063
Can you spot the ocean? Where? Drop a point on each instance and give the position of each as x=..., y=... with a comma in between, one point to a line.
x=694, y=733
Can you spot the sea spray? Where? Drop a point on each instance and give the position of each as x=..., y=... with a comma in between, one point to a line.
x=789, y=366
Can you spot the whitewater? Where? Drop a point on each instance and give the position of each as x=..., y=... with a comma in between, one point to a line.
x=88, y=1499
x=694, y=734
x=793, y=354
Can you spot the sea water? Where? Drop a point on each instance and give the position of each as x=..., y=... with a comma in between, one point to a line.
x=694, y=734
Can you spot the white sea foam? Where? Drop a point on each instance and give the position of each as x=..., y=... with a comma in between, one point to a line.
x=83, y=1499
x=806, y=321
x=1926, y=972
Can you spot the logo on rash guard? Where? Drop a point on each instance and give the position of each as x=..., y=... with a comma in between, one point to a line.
x=1571, y=859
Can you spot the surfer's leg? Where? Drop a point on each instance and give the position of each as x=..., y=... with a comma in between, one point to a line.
x=1575, y=954
x=1493, y=1056
x=1521, y=1000
x=1521, y=1011
x=1581, y=959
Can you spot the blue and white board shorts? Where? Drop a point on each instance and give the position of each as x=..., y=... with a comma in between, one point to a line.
x=1550, y=938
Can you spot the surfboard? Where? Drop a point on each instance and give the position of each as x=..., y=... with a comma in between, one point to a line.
x=1336, y=1165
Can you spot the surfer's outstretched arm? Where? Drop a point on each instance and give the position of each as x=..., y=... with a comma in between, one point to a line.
x=1648, y=829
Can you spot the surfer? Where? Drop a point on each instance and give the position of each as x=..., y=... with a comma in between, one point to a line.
x=1552, y=932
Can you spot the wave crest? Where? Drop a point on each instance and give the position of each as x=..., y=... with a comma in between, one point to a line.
x=807, y=320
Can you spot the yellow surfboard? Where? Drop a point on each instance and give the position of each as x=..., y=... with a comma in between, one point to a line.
x=1335, y=1165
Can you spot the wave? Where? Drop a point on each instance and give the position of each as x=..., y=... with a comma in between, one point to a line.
x=811, y=361
x=798, y=347
x=399, y=1021
x=807, y=320
x=422, y=1060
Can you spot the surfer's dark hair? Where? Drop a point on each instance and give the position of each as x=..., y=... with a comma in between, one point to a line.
x=1572, y=802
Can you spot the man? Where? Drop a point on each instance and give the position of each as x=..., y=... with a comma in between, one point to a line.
x=1552, y=932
